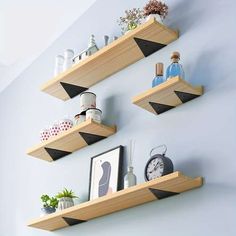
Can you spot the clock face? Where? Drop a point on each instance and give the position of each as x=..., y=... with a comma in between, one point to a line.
x=154, y=168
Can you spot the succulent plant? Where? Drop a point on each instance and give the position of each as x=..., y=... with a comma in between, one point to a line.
x=66, y=193
x=49, y=201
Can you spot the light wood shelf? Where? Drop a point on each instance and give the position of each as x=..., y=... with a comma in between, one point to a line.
x=167, y=95
x=71, y=140
x=157, y=189
x=126, y=50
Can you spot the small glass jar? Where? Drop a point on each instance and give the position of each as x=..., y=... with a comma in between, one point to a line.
x=79, y=118
x=94, y=114
x=87, y=100
x=68, y=62
x=59, y=60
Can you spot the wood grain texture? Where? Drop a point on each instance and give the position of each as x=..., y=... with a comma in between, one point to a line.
x=70, y=140
x=110, y=59
x=165, y=94
x=127, y=198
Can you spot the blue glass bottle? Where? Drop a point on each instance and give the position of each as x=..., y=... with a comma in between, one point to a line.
x=175, y=69
x=158, y=79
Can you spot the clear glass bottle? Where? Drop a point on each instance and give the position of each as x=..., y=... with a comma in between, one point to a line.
x=130, y=178
x=59, y=60
x=175, y=69
x=158, y=79
x=68, y=62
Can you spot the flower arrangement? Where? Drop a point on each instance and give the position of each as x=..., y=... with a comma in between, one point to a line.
x=131, y=20
x=156, y=7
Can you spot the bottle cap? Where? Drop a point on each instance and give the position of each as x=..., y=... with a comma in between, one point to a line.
x=175, y=55
x=159, y=68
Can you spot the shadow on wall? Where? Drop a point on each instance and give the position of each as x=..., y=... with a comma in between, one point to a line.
x=181, y=13
x=111, y=115
x=192, y=166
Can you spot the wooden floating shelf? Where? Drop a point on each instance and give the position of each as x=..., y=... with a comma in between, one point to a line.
x=167, y=95
x=71, y=140
x=156, y=189
x=126, y=50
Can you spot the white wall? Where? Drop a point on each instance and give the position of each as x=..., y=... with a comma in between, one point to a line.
x=200, y=134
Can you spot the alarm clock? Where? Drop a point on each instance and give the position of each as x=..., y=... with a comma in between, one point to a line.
x=158, y=165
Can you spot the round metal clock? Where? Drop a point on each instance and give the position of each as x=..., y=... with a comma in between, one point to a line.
x=158, y=165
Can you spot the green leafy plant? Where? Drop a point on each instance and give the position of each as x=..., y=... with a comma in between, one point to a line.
x=66, y=193
x=49, y=201
x=131, y=19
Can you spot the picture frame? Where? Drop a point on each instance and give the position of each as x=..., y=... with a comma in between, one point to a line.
x=106, y=173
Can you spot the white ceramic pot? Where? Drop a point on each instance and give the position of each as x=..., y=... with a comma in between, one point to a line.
x=65, y=202
x=79, y=118
x=87, y=100
x=156, y=16
x=58, y=65
x=68, y=62
x=65, y=124
x=54, y=129
x=94, y=114
x=44, y=134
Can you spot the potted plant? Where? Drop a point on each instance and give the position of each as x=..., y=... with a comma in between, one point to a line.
x=156, y=9
x=49, y=204
x=65, y=199
x=131, y=20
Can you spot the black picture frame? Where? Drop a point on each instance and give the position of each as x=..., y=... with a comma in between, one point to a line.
x=120, y=168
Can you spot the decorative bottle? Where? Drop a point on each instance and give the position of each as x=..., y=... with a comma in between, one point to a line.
x=59, y=60
x=175, y=69
x=158, y=79
x=68, y=62
x=130, y=178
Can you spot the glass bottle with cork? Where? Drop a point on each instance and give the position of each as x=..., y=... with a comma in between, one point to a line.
x=158, y=79
x=175, y=69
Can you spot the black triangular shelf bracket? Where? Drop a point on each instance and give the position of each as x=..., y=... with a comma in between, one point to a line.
x=185, y=97
x=148, y=47
x=160, y=194
x=72, y=221
x=91, y=138
x=72, y=90
x=56, y=154
x=160, y=108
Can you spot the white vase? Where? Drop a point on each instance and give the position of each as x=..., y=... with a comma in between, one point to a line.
x=156, y=16
x=65, y=202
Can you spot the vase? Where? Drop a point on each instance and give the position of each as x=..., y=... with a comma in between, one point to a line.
x=65, y=202
x=47, y=210
x=157, y=17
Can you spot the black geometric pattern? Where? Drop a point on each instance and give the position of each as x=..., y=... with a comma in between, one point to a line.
x=148, y=47
x=71, y=221
x=160, y=194
x=91, y=138
x=160, y=108
x=185, y=97
x=56, y=154
x=72, y=90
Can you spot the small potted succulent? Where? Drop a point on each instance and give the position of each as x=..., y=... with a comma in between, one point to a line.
x=65, y=199
x=131, y=20
x=49, y=204
x=156, y=9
